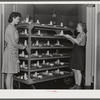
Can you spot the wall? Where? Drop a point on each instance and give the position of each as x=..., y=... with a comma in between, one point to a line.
x=70, y=21
x=45, y=19
x=25, y=10
x=7, y=10
x=82, y=12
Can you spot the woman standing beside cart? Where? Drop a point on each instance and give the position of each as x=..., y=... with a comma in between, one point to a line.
x=77, y=61
x=10, y=56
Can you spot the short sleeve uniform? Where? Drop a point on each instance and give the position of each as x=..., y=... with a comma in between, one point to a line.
x=10, y=55
x=77, y=60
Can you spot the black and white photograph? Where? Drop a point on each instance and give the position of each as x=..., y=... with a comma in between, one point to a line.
x=49, y=46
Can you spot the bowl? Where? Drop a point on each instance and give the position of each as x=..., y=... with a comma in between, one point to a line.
x=51, y=64
x=50, y=74
x=40, y=76
x=61, y=73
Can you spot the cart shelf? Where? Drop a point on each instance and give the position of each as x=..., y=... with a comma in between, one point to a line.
x=34, y=69
x=43, y=58
x=44, y=79
x=58, y=50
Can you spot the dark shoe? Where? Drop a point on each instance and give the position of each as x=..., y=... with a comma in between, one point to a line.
x=73, y=86
x=76, y=87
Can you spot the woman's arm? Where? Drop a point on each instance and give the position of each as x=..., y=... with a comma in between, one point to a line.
x=13, y=40
x=73, y=40
x=19, y=46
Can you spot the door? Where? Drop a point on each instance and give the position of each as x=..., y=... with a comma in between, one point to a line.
x=97, y=73
x=90, y=46
x=0, y=47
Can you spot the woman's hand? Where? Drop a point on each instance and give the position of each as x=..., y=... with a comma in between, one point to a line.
x=67, y=36
x=22, y=47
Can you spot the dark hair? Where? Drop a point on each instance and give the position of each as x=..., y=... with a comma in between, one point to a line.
x=83, y=25
x=13, y=15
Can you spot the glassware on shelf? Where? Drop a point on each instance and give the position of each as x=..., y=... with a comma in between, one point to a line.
x=26, y=56
x=25, y=43
x=61, y=63
x=33, y=44
x=38, y=63
x=50, y=74
x=34, y=64
x=22, y=54
x=47, y=53
x=57, y=71
x=47, y=63
x=23, y=64
x=57, y=62
x=61, y=24
x=43, y=62
x=51, y=23
x=51, y=64
x=61, y=32
x=27, y=20
x=22, y=33
x=37, y=43
x=36, y=53
x=35, y=74
x=48, y=43
x=58, y=43
x=38, y=33
x=46, y=72
x=21, y=77
x=25, y=76
x=38, y=22
x=61, y=72
x=25, y=32
x=40, y=76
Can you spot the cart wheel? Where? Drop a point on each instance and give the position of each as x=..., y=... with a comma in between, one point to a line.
x=33, y=87
x=16, y=85
x=67, y=81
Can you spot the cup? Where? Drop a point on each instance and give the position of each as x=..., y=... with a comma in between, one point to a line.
x=38, y=21
x=61, y=24
x=50, y=22
x=27, y=20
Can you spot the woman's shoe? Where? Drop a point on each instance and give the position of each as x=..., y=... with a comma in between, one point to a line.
x=76, y=86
